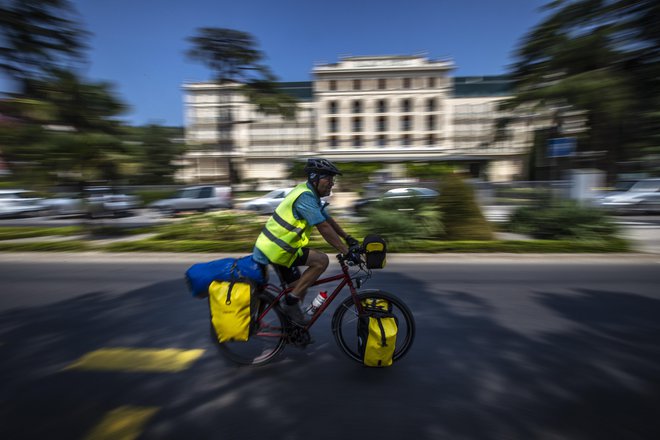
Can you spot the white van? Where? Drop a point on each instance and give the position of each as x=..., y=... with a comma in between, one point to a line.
x=195, y=198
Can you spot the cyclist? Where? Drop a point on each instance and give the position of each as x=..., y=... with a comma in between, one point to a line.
x=283, y=238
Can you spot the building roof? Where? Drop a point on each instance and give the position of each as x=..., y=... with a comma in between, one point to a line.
x=301, y=90
x=477, y=86
x=463, y=87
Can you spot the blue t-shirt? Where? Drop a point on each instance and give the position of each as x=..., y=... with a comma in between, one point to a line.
x=307, y=206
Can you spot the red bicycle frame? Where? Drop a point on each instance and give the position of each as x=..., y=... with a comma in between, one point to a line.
x=345, y=278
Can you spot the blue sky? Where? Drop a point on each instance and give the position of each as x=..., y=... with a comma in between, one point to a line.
x=139, y=45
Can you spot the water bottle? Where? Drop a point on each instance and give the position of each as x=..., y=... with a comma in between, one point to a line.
x=320, y=299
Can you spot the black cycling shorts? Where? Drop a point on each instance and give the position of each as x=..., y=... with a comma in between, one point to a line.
x=291, y=274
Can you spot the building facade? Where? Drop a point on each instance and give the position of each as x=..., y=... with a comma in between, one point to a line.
x=379, y=109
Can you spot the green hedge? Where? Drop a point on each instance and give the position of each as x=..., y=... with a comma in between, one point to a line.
x=152, y=245
x=16, y=232
x=412, y=246
x=562, y=220
x=46, y=246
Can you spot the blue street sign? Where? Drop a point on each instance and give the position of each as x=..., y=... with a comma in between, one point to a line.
x=561, y=147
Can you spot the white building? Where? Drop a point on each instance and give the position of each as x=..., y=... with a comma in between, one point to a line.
x=377, y=109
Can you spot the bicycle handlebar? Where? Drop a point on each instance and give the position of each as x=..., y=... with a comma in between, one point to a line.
x=346, y=259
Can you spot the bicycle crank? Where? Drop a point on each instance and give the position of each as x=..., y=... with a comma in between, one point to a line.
x=299, y=337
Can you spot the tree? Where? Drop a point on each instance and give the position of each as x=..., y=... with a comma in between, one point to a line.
x=66, y=130
x=156, y=149
x=600, y=57
x=36, y=36
x=234, y=59
x=82, y=105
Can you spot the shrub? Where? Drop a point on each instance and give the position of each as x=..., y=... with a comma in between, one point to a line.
x=421, y=222
x=152, y=195
x=461, y=215
x=221, y=226
x=562, y=220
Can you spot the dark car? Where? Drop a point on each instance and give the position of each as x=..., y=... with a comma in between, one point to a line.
x=401, y=199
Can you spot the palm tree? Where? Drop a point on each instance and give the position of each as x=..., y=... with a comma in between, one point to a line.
x=235, y=61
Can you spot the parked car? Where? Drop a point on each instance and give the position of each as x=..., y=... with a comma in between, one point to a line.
x=642, y=197
x=195, y=198
x=64, y=204
x=104, y=201
x=19, y=202
x=397, y=198
x=266, y=204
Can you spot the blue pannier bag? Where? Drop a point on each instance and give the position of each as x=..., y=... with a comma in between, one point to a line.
x=199, y=276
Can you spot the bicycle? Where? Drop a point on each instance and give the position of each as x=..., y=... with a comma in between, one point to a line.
x=271, y=330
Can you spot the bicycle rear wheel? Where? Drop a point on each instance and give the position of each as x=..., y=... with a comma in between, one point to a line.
x=345, y=324
x=267, y=336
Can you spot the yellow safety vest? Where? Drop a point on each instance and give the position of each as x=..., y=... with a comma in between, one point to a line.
x=284, y=236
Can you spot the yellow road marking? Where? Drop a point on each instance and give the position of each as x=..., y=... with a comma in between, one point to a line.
x=124, y=423
x=152, y=360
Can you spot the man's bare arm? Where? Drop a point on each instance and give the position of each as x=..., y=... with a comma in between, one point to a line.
x=330, y=235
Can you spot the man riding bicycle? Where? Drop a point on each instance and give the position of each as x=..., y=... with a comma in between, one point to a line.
x=283, y=239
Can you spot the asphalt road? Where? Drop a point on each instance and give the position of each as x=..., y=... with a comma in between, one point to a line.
x=530, y=347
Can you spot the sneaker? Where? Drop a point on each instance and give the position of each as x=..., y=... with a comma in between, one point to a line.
x=294, y=313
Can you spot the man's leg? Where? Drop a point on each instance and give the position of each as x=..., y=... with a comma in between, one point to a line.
x=317, y=262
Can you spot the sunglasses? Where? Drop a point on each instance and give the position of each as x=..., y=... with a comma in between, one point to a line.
x=329, y=177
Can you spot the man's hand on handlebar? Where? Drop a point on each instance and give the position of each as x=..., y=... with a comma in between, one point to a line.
x=353, y=255
x=350, y=241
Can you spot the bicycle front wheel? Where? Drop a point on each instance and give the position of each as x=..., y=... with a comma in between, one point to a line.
x=345, y=324
x=267, y=336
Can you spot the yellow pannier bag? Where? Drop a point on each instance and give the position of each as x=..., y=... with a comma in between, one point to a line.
x=377, y=331
x=229, y=302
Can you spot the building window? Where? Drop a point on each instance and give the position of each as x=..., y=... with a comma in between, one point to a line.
x=382, y=106
x=333, y=125
x=382, y=123
x=406, y=83
x=332, y=107
x=382, y=84
x=357, y=124
x=430, y=105
x=431, y=82
x=357, y=141
x=357, y=84
x=406, y=123
x=405, y=105
x=334, y=142
x=357, y=106
x=430, y=122
x=405, y=140
x=381, y=141
x=430, y=140
x=332, y=84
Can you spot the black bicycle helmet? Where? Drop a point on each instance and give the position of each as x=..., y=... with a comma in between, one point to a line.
x=321, y=166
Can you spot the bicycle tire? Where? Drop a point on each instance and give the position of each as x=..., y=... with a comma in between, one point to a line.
x=267, y=336
x=345, y=319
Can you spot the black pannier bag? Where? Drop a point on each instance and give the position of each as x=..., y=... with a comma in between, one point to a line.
x=375, y=250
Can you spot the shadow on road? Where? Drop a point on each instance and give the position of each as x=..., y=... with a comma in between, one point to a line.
x=467, y=375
